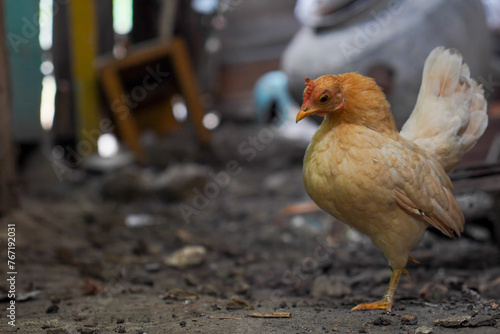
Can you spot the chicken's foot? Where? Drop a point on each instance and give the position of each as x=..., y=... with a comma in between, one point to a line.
x=387, y=301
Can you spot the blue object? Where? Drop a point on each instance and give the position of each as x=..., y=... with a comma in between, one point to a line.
x=25, y=58
x=272, y=90
x=205, y=6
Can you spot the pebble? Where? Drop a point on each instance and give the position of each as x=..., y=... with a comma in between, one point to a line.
x=179, y=294
x=187, y=257
x=52, y=309
x=455, y=321
x=482, y=321
x=409, y=319
x=424, y=330
x=382, y=321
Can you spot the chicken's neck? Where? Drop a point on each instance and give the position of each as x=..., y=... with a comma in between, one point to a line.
x=375, y=117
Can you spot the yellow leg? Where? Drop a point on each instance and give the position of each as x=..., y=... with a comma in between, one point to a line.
x=387, y=301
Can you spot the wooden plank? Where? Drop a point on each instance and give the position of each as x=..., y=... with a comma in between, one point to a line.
x=84, y=50
x=126, y=123
x=129, y=124
x=187, y=79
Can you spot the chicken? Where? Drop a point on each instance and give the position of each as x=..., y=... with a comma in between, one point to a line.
x=391, y=186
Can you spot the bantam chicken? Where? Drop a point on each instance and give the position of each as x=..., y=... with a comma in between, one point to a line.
x=391, y=186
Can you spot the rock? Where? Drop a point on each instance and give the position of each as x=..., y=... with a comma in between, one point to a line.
x=236, y=303
x=482, y=321
x=152, y=267
x=52, y=309
x=179, y=294
x=424, y=330
x=409, y=319
x=433, y=292
x=382, y=321
x=324, y=286
x=454, y=321
x=187, y=257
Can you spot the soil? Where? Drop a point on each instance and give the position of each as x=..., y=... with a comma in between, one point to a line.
x=91, y=253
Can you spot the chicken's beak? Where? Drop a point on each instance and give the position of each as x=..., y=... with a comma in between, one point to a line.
x=303, y=113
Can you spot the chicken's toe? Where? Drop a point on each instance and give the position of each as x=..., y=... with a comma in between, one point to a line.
x=380, y=305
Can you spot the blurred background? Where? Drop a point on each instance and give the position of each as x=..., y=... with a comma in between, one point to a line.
x=149, y=149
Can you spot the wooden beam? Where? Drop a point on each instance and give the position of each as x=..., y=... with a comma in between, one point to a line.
x=84, y=50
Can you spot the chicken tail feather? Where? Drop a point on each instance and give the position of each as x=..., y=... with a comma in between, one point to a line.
x=450, y=114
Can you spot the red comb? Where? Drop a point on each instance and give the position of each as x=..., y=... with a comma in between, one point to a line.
x=310, y=86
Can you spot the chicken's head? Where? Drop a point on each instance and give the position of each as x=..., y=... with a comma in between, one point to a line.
x=321, y=96
x=348, y=98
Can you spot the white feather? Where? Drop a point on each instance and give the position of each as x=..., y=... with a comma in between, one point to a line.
x=450, y=114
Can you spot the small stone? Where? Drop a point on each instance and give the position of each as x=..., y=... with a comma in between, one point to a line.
x=152, y=267
x=424, y=330
x=120, y=320
x=187, y=257
x=433, y=292
x=363, y=330
x=52, y=309
x=236, y=303
x=455, y=321
x=481, y=321
x=409, y=319
x=179, y=294
x=183, y=324
x=382, y=321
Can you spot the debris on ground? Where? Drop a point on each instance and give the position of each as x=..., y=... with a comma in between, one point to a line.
x=270, y=315
x=236, y=303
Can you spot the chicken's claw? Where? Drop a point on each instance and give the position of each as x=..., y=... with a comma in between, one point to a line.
x=380, y=305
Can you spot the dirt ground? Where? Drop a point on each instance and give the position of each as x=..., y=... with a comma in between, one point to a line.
x=96, y=253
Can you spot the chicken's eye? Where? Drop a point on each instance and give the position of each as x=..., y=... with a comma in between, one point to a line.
x=324, y=98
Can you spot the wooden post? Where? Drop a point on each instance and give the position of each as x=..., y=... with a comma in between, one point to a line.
x=64, y=128
x=106, y=36
x=7, y=169
x=84, y=46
